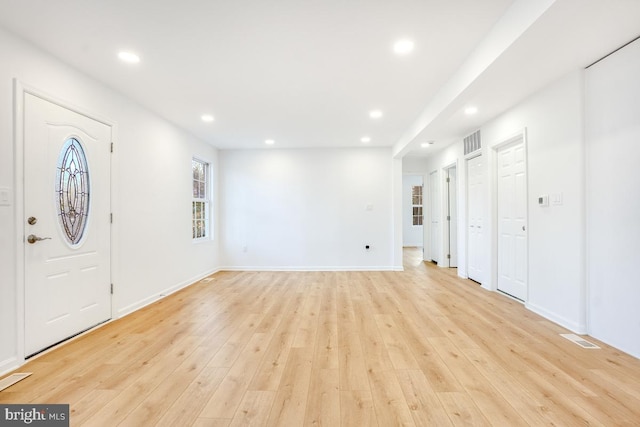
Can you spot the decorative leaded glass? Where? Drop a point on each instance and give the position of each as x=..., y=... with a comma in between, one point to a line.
x=72, y=190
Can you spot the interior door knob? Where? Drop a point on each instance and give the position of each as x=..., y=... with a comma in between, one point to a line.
x=32, y=238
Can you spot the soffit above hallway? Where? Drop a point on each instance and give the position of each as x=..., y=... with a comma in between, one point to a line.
x=307, y=73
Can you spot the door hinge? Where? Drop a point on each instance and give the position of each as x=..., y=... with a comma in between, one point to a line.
x=112, y=147
x=448, y=179
x=112, y=289
x=448, y=256
x=111, y=218
x=448, y=217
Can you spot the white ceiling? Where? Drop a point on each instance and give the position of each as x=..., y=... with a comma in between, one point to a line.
x=307, y=72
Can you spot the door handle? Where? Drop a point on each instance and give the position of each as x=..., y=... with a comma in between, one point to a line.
x=32, y=238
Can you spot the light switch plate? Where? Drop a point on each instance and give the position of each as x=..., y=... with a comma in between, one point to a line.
x=556, y=199
x=5, y=197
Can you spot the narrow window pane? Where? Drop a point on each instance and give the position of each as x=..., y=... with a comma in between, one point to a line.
x=200, y=199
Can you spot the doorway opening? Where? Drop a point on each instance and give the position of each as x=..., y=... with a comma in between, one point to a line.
x=434, y=210
x=412, y=212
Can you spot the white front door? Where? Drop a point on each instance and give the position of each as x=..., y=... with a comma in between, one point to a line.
x=512, y=220
x=475, y=220
x=66, y=224
x=435, y=215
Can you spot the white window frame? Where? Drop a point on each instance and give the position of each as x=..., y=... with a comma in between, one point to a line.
x=204, y=199
x=419, y=217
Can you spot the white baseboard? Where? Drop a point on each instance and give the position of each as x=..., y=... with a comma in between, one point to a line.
x=313, y=268
x=9, y=365
x=162, y=294
x=575, y=327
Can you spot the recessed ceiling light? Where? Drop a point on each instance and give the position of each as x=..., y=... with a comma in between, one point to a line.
x=375, y=114
x=207, y=118
x=129, y=57
x=403, y=47
x=269, y=142
x=470, y=111
x=365, y=139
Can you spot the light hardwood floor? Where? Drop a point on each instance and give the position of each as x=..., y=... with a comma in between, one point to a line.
x=421, y=347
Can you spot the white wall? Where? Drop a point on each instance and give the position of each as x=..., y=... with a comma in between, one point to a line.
x=412, y=235
x=307, y=209
x=613, y=198
x=553, y=119
x=151, y=186
x=414, y=165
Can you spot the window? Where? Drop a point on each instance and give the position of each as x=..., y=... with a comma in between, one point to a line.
x=200, y=203
x=72, y=190
x=416, y=203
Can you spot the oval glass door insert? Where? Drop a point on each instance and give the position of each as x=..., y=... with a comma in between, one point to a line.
x=72, y=190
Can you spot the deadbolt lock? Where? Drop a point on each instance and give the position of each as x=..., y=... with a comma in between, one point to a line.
x=32, y=220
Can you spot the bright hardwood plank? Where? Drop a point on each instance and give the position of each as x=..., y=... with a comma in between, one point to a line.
x=356, y=408
x=389, y=402
x=254, y=408
x=323, y=403
x=426, y=408
x=185, y=409
x=225, y=400
x=291, y=399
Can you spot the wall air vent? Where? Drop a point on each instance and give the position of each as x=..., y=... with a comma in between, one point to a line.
x=472, y=143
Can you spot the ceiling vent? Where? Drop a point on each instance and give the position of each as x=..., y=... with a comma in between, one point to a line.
x=472, y=143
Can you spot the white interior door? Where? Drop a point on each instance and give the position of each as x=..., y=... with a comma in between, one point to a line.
x=512, y=220
x=435, y=215
x=67, y=205
x=475, y=220
x=452, y=216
